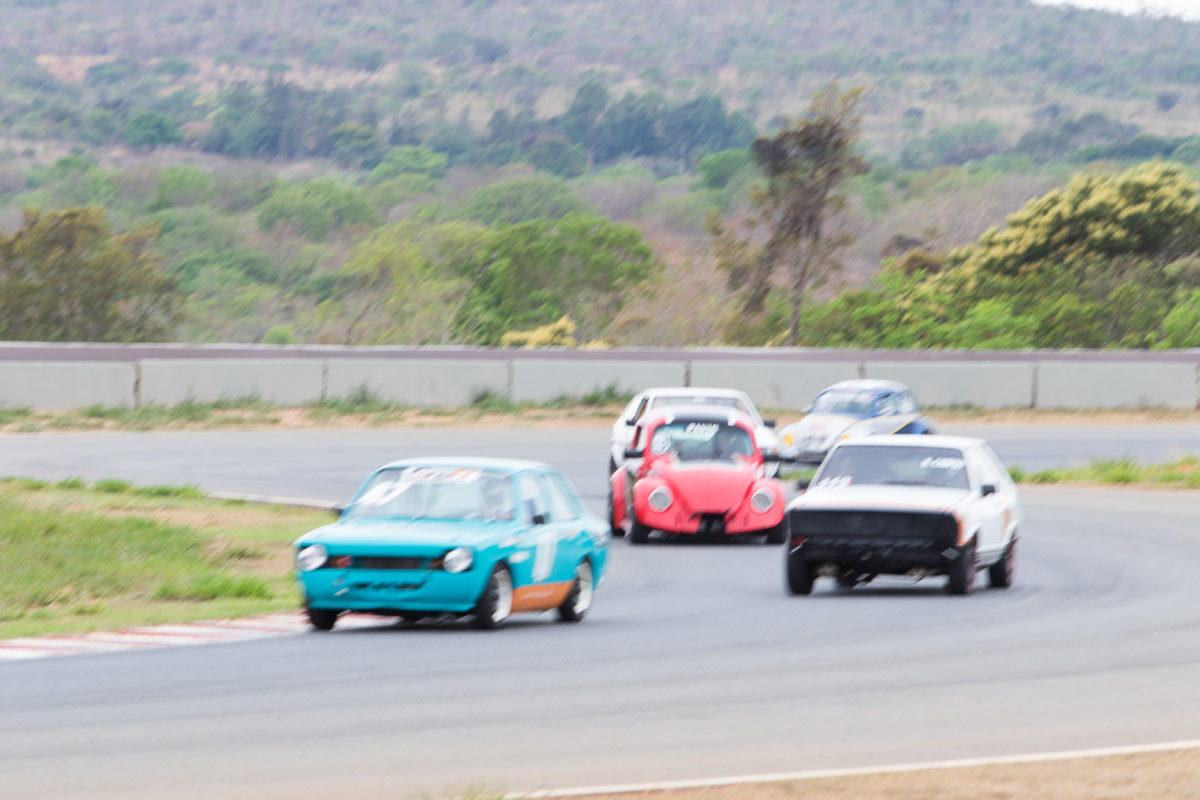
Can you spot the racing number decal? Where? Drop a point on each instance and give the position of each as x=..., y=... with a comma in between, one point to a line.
x=543, y=555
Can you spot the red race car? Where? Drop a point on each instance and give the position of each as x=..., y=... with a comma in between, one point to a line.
x=696, y=470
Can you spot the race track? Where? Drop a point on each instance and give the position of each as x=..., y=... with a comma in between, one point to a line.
x=693, y=662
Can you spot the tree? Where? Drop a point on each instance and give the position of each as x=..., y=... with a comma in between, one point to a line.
x=317, y=208
x=581, y=266
x=521, y=199
x=355, y=144
x=150, y=129
x=804, y=166
x=402, y=283
x=64, y=276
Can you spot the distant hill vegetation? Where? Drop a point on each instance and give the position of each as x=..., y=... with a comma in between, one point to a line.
x=408, y=171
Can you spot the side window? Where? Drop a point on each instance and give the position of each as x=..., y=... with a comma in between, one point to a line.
x=531, y=499
x=640, y=407
x=908, y=403
x=1004, y=480
x=887, y=405
x=985, y=469
x=560, y=508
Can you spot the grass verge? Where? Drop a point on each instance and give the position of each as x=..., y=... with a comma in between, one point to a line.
x=1184, y=473
x=111, y=555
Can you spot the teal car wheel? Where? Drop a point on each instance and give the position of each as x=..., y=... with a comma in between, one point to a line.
x=495, y=604
x=322, y=619
x=579, y=600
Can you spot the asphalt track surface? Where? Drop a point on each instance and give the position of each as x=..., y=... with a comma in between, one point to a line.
x=693, y=662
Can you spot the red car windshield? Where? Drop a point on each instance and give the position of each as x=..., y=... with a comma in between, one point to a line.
x=702, y=441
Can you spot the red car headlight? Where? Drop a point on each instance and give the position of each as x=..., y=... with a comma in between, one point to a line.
x=762, y=500
x=660, y=499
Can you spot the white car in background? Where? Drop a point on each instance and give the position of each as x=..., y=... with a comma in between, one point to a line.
x=622, y=431
x=905, y=504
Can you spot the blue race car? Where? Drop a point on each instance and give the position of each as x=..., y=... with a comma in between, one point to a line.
x=477, y=537
x=847, y=410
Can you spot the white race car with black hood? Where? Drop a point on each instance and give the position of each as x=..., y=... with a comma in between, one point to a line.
x=913, y=505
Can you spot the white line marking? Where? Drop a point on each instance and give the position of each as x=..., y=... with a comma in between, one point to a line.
x=1028, y=758
x=173, y=635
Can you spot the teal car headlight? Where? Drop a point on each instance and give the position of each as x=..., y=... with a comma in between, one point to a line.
x=458, y=560
x=311, y=557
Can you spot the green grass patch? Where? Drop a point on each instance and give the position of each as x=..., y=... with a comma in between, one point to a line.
x=113, y=555
x=12, y=416
x=493, y=402
x=1183, y=473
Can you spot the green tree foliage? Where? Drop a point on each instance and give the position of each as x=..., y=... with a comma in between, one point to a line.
x=805, y=166
x=316, y=208
x=72, y=181
x=1110, y=260
x=523, y=198
x=65, y=276
x=402, y=284
x=150, y=129
x=1149, y=211
x=581, y=266
x=718, y=169
x=355, y=144
x=407, y=160
x=1181, y=326
x=182, y=185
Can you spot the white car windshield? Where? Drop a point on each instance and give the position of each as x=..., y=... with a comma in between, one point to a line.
x=859, y=404
x=684, y=400
x=702, y=441
x=436, y=492
x=893, y=466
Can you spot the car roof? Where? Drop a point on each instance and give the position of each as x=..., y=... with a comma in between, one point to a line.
x=698, y=413
x=480, y=462
x=913, y=440
x=696, y=391
x=877, y=385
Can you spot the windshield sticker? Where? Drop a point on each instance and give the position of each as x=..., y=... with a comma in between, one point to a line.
x=440, y=475
x=384, y=492
x=698, y=431
x=835, y=482
x=943, y=462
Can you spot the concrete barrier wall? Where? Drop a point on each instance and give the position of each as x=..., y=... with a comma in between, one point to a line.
x=1066, y=385
x=65, y=385
x=774, y=384
x=1003, y=385
x=431, y=378
x=539, y=380
x=280, y=382
x=426, y=383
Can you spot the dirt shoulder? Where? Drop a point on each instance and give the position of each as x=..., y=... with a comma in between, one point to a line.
x=533, y=417
x=1170, y=775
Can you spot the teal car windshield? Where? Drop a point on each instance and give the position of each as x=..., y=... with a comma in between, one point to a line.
x=436, y=493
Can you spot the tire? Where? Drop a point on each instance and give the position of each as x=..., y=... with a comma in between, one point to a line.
x=613, y=527
x=322, y=619
x=778, y=534
x=961, y=579
x=1000, y=574
x=799, y=575
x=638, y=533
x=495, y=604
x=579, y=600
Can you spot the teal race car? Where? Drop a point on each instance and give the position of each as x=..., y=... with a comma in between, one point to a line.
x=482, y=538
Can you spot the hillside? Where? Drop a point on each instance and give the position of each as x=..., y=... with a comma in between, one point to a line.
x=217, y=122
